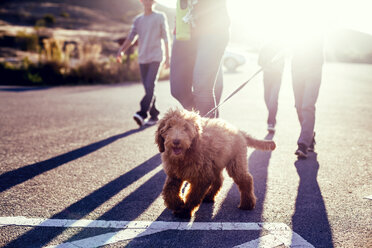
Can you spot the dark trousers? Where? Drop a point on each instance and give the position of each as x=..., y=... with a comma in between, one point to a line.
x=149, y=73
x=272, y=81
x=306, y=83
x=196, y=78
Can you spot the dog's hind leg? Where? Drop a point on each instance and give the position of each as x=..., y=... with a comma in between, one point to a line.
x=238, y=170
x=214, y=189
x=171, y=193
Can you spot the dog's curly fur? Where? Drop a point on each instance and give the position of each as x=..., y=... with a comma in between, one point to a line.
x=196, y=150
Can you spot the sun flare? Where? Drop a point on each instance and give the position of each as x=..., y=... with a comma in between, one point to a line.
x=291, y=20
x=286, y=21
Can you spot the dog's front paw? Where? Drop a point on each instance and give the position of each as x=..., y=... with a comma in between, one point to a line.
x=248, y=204
x=182, y=213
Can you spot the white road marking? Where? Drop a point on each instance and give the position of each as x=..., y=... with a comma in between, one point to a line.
x=264, y=241
x=278, y=233
x=107, y=238
x=369, y=197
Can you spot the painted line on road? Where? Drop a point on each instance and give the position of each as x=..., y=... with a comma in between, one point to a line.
x=278, y=233
x=368, y=197
x=85, y=223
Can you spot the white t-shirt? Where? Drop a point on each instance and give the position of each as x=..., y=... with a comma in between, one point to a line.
x=150, y=30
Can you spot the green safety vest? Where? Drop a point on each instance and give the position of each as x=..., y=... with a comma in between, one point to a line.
x=183, y=30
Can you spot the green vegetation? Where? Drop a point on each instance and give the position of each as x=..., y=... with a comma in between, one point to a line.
x=27, y=42
x=80, y=59
x=48, y=20
x=55, y=65
x=57, y=73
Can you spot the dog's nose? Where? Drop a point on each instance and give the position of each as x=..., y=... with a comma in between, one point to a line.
x=176, y=142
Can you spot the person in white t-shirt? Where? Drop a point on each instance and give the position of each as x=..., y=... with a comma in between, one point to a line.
x=149, y=28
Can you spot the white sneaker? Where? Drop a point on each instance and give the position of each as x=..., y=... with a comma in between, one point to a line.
x=271, y=128
x=151, y=122
x=138, y=119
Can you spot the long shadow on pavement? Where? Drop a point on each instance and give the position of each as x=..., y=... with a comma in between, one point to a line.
x=12, y=178
x=129, y=208
x=310, y=219
x=23, y=89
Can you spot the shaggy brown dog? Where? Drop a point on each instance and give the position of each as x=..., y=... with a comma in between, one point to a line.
x=196, y=150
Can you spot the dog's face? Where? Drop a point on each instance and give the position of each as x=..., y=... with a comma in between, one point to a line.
x=177, y=132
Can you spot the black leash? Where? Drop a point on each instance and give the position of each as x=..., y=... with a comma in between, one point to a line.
x=235, y=91
x=274, y=60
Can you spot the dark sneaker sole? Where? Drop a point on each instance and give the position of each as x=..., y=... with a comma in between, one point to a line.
x=138, y=121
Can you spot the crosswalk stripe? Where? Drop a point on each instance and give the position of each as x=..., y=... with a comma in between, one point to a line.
x=278, y=233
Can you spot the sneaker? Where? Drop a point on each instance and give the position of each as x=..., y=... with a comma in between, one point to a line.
x=311, y=147
x=139, y=119
x=271, y=128
x=151, y=121
x=301, y=151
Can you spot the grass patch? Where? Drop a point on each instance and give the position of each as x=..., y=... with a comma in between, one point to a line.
x=68, y=63
x=27, y=42
x=54, y=66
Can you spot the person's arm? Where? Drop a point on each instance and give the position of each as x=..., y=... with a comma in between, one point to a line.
x=166, y=62
x=126, y=44
x=128, y=41
x=165, y=37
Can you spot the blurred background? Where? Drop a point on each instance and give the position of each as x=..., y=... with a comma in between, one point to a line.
x=58, y=42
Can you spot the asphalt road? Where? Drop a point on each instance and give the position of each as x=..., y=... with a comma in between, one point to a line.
x=73, y=154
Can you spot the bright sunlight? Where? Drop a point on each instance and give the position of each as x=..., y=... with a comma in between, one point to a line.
x=293, y=20
x=283, y=20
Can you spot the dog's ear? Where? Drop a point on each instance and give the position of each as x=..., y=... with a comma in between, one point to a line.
x=159, y=140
